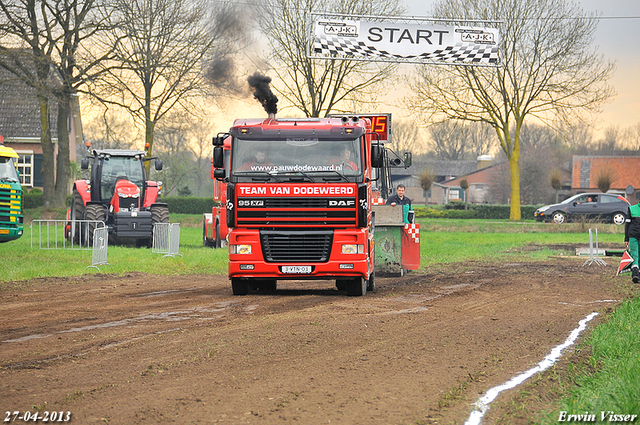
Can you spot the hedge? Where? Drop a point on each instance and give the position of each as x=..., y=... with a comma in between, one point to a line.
x=189, y=205
x=483, y=211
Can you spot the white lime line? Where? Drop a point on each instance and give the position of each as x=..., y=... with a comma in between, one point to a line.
x=482, y=405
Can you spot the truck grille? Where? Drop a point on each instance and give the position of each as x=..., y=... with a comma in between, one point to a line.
x=297, y=212
x=296, y=246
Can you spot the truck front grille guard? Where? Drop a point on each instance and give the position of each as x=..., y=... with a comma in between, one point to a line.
x=296, y=246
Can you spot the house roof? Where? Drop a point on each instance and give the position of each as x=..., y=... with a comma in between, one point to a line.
x=438, y=168
x=19, y=112
x=481, y=176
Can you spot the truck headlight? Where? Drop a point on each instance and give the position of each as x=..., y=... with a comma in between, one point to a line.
x=352, y=249
x=239, y=249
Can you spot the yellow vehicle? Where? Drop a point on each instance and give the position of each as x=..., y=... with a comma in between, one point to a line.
x=11, y=218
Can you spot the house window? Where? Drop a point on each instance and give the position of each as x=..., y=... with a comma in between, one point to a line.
x=25, y=167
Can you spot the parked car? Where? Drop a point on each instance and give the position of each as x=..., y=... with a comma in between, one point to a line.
x=590, y=206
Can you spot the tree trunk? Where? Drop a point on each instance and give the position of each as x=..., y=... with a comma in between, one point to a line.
x=48, y=167
x=514, y=168
x=62, y=160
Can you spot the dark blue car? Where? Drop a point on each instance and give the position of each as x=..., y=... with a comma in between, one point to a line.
x=591, y=206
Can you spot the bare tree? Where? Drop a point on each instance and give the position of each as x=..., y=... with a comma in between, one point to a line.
x=548, y=71
x=41, y=44
x=169, y=53
x=319, y=87
x=405, y=137
x=449, y=140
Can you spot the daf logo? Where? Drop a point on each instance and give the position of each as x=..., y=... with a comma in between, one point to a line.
x=250, y=203
x=341, y=203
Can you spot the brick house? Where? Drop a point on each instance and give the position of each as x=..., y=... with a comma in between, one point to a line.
x=20, y=127
x=624, y=172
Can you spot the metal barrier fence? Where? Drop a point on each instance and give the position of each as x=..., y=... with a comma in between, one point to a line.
x=166, y=239
x=100, y=247
x=591, y=259
x=51, y=234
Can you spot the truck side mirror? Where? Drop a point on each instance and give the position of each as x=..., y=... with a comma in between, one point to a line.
x=376, y=156
x=158, y=164
x=84, y=164
x=407, y=159
x=218, y=157
x=219, y=173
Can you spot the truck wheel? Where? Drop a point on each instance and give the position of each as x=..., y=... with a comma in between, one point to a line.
x=265, y=285
x=94, y=214
x=371, y=286
x=205, y=242
x=341, y=284
x=357, y=287
x=218, y=243
x=239, y=286
x=77, y=213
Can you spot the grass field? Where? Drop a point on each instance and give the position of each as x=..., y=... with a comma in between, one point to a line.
x=443, y=242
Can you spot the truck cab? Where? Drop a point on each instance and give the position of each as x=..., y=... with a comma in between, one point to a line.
x=11, y=201
x=298, y=202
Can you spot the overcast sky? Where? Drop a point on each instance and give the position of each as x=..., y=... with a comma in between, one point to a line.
x=617, y=39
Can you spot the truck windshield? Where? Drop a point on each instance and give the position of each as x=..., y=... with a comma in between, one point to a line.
x=8, y=171
x=297, y=156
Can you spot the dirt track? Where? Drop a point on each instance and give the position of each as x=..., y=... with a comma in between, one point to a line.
x=156, y=349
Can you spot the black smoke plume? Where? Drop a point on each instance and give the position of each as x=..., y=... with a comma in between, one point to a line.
x=260, y=83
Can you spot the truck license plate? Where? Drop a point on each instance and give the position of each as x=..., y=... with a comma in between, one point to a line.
x=296, y=269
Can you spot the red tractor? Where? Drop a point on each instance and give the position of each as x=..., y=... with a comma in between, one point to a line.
x=119, y=195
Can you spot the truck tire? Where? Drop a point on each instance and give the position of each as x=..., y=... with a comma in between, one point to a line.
x=357, y=287
x=371, y=285
x=94, y=213
x=218, y=243
x=77, y=213
x=205, y=242
x=239, y=286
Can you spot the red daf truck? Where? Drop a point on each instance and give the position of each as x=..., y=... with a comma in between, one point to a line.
x=298, y=202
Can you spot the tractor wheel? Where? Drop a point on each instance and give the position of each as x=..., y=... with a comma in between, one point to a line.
x=94, y=213
x=77, y=213
x=159, y=214
x=357, y=287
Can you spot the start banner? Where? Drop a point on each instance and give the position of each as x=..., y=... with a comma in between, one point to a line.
x=404, y=41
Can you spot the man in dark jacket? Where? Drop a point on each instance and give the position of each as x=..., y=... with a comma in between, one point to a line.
x=632, y=239
x=399, y=198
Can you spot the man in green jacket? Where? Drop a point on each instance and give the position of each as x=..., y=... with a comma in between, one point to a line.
x=632, y=239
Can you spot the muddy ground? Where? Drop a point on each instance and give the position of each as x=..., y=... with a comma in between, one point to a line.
x=148, y=349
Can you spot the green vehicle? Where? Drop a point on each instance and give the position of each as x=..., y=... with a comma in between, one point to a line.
x=11, y=218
